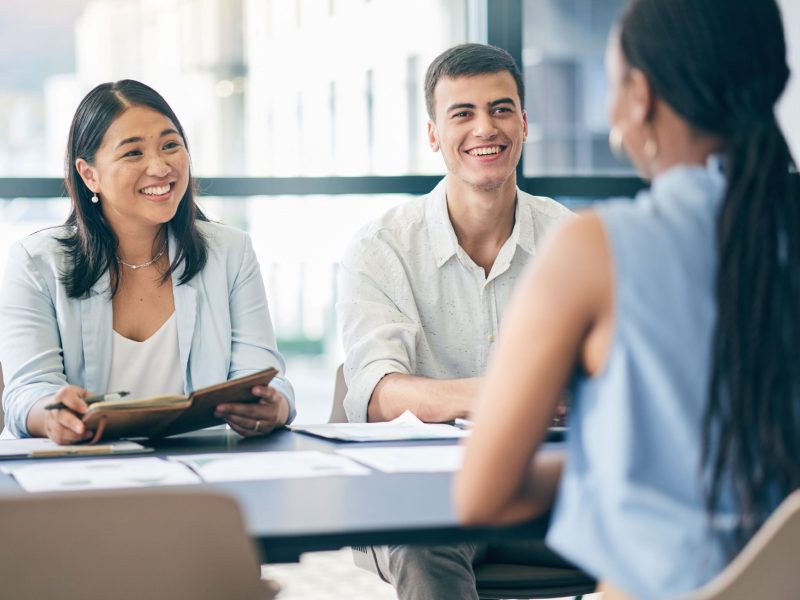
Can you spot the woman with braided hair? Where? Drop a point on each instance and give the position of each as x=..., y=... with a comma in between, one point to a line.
x=678, y=315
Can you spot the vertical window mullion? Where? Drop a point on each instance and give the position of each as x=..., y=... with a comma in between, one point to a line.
x=504, y=27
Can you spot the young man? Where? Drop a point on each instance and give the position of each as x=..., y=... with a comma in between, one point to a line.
x=423, y=289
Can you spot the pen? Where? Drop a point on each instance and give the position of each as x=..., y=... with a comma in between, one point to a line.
x=111, y=396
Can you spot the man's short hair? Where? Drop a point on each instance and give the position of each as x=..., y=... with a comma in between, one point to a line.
x=468, y=60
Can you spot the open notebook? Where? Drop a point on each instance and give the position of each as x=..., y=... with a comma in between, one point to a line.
x=160, y=416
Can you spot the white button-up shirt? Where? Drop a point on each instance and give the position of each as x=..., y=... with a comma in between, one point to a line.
x=412, y=301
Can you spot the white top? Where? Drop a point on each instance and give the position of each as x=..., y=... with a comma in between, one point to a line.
x=148, y=368
x=412, y=301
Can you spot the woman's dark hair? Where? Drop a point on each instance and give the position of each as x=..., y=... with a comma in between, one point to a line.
x=91, y=245
x=721, y=65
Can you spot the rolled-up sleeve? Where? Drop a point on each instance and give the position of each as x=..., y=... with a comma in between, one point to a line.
x=30, y=342
x=253, y=345
x=378, y=333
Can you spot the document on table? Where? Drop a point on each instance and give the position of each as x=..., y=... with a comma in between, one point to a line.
x=408, y=459
x=253, y=466
x=405, y=427
x=100, y=474
x=556, y=433
x=46, y=448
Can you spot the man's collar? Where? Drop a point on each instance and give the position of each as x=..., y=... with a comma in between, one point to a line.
x=444, y=243
x=523, y=226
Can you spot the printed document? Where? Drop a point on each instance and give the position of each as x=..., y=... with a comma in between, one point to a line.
x=253, y=466
x=106, y=473
x=408, y=459
x=405, y=427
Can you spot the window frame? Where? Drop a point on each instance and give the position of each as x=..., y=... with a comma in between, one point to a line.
x=503, y=28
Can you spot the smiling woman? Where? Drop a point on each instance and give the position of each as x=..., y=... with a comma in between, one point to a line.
x=120, y=297
x=124, y=138
x=153, y=164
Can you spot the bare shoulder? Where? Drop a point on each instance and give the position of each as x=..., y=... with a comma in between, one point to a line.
x=577, y=244
x=573, y=267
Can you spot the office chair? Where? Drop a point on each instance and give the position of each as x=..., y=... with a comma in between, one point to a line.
x=159, y=544
x=495, y=581
x=339, y=392
x=767, y=566
x=2, y=413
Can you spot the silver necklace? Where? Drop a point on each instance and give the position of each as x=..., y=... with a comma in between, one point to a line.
x=144, y=264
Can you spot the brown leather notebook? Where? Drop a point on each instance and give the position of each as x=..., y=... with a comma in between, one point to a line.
x=160, y=416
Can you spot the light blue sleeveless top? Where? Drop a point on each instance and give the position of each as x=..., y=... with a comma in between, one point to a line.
x=630, y=508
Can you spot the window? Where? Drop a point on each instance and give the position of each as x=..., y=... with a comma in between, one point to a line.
x=563, y=48
x=563, y=44
x=415, y=121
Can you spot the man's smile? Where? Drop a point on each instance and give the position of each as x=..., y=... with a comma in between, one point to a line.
x=485, y=153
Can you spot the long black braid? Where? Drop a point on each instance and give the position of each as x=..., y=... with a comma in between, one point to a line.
x=721, y=64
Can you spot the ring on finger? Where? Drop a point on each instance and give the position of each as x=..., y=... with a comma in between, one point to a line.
x=257, y=426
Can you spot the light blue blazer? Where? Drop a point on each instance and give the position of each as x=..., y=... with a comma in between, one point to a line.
x=48, y=339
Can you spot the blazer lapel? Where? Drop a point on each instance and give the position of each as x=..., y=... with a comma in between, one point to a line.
x=185, y=297
x=186, y=315
x=97, y=322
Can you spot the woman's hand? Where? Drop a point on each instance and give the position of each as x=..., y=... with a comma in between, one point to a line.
x=251, y=419
x=63, y=425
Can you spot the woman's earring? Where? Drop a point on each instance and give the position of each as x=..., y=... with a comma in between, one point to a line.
x=650, y=149
x=95, y=199
x=615, y=137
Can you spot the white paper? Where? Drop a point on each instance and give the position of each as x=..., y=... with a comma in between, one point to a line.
x=253, y=466
x=10, y=448
x=107, y=473
x=408, y=459
x=405, y=427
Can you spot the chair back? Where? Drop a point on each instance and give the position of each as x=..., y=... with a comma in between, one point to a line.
x=339, y=392
x=155, y=544
x=2, y=413
x=767, y=566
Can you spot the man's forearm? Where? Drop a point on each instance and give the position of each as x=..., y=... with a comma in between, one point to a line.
x=431, y=400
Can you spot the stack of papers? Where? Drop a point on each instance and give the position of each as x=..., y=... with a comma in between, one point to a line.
x=408, y=459
x=101, y=474
x=405, y=427
x=254, y=466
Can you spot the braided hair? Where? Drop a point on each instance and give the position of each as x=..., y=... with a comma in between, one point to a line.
x=721, y=65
